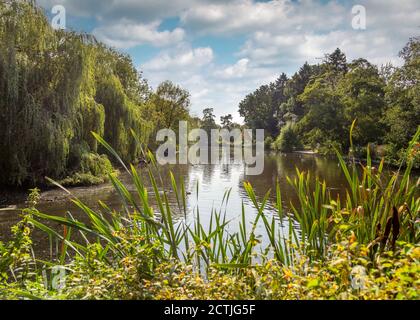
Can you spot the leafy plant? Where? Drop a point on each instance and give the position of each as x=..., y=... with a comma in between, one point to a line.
x=143, y=252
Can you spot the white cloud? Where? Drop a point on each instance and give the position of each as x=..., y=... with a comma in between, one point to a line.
x=389, y=26
x=238, y=70
x=186, y=66
x=212, y=86
x=183, y=57
x=243, y=16
x=227, y=18
x=125, y=34
x=209, y=85
x=279, y=35
x=110, y=11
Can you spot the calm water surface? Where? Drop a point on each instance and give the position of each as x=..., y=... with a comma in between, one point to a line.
x=213, y=181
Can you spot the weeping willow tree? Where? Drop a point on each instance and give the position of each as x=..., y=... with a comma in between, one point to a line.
x=56, y=88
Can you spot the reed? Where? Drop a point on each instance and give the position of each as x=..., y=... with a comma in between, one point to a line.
x=377, y=211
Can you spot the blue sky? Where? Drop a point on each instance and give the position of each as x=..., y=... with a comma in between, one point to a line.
x=221, y=50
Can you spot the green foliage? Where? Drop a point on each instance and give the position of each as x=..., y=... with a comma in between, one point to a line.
x=94, y=169
x=403, y=98
x=325, y=113
x=347, y=273
x=55, y=89
x=336, y=62
x=323, y=100
x=259, y=108
x=16, y=261
x=172, y=104
x=288, y=139
x=318, y=141
x=362, y=246
x=226, y=121
x=268, y=142
x=207, y=122
x=362, y=96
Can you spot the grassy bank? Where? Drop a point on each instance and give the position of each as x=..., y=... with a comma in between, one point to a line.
x=363, y=246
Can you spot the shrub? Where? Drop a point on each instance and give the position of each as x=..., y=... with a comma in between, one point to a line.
x=268, y=142
x=398, y=157
x=288, y=139
x=93, y=169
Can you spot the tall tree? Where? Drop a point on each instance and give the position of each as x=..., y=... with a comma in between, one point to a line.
x=208, y=121
x=260, y=108
x=57, y=87
x=362, y=94
x=324, y=120
x=402, y=116
x=293, y=109
x=172, y=104
x=226, y=121
x=336, y=61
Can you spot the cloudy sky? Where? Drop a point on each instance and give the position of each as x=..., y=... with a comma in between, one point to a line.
x=220, y=50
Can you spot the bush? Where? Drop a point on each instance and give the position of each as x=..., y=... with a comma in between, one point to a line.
x=398, y=157
x=268, y=142
x=93, y=170
x=288, y=139
x=347, y=274
x=330, y=147
x=360, y=152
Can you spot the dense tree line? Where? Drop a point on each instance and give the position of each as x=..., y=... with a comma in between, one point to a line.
x=317, y=105
x=57, y=87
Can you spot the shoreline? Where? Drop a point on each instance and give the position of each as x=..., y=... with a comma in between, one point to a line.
x=10, y=196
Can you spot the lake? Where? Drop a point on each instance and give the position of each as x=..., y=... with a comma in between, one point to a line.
x=212, y=180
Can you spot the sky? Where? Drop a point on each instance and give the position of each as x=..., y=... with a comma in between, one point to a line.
x=221, y=50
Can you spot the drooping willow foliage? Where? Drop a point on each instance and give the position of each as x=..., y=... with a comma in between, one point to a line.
x=57, y=87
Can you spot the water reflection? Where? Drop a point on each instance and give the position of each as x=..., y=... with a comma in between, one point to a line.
x=213, y=182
